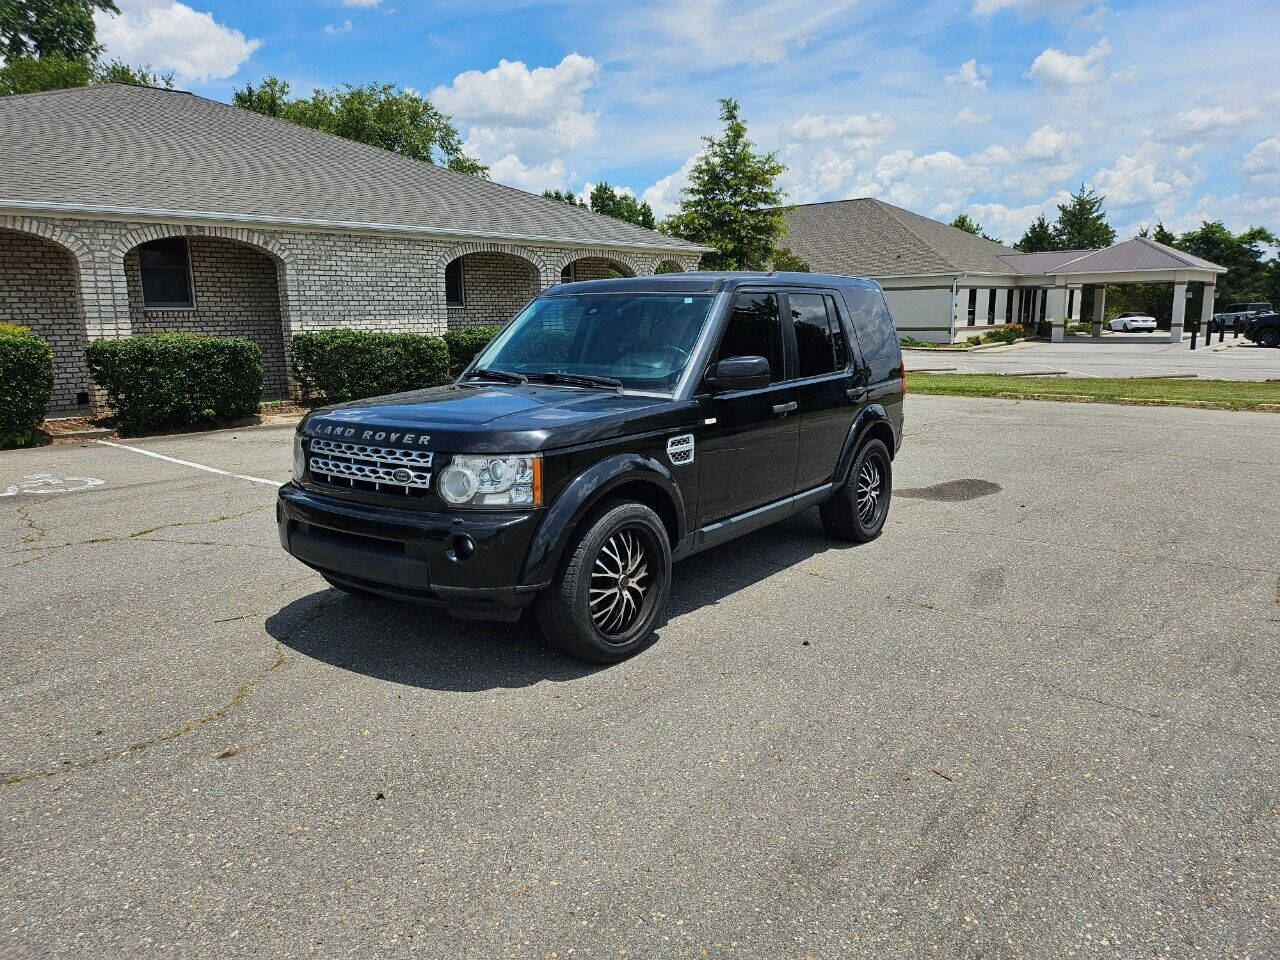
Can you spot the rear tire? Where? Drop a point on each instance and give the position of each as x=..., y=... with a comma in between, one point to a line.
x=859, y=508
x=612, y=590
x=1269, y=337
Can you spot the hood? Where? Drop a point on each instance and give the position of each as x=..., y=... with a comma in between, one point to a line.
x=487, y=417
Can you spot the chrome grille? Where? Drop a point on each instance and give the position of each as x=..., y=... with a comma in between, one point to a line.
x=363, y=467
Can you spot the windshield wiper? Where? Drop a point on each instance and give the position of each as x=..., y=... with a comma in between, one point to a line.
x=582, y=379
x=505, y=376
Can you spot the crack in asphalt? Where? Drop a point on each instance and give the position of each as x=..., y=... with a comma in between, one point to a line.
x=238, y=697
x=44, y=550
x=190, y=726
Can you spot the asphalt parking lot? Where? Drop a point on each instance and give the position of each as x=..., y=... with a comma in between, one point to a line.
x=1038, y=717
x=1115, y=355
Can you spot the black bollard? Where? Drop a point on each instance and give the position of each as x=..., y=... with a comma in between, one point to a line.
x=1208, y=334
x=1195, y=334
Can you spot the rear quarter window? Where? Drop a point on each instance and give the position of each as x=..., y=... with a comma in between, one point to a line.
x=873, y=327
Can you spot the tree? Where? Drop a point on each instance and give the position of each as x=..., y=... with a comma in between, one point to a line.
x=39, y=28
x=564, y=196
x=788, y=262
x=1082, y=223
x=1038, y=238
x=966, y=223
x=731, y=202
x=55, y=71
x=378, y=114
x=621, y=205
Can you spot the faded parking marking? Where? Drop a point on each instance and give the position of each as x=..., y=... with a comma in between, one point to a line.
x=42, y=483
x=188, y=463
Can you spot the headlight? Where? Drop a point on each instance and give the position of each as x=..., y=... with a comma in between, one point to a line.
x=493, y=481
x=299, y=457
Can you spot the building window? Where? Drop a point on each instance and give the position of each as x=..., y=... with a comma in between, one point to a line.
x=567, y=273
x=991, y=307
x=973, y=307
x=453, y=292
x=165, y=267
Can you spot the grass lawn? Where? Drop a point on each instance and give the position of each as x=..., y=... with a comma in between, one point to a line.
x=1223, y=394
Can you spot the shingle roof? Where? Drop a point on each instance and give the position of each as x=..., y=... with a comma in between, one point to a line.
x=868, y=237
x=141, y=148
x=1129, y=256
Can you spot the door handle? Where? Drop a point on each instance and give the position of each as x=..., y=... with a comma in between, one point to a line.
x=856, y=393
x=782, y=409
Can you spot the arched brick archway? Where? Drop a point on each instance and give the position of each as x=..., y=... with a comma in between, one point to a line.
x=596, y=264
x=241, y=281
x=41, y=288
x=490, y=282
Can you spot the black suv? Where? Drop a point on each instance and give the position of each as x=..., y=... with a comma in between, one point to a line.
x=612, y=427
x=1263, y=329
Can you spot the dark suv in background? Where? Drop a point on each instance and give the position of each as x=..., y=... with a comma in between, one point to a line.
x=611, y=428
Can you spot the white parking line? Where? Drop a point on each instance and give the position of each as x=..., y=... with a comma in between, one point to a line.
x=188, y=463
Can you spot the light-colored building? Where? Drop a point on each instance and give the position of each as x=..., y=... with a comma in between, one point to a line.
x=945, y=285
x=130, y=209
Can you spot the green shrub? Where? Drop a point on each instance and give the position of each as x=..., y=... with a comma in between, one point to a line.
x=1006, y=334
x=341, y=365
x=26, y=382
x=465, y=343
x=164, y=380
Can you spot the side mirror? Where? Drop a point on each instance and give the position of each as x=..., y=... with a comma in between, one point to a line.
x=740, y=373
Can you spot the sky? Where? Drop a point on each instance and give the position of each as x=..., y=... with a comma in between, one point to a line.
x=995, y=108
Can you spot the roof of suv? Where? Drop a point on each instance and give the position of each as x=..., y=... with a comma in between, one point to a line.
x=703, y=282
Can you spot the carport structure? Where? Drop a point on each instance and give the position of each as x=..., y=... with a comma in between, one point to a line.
x=1140, y=260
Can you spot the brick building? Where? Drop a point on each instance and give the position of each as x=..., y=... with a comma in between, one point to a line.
x=135, y=210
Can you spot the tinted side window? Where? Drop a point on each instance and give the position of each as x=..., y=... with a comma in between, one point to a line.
x=872, y=325
x=837, y=327
x=754, y=330
x=814, y=344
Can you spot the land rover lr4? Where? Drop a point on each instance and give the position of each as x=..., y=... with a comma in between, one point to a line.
x=612, y=427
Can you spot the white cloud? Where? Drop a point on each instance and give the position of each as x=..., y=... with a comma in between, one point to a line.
x=521, y=121
x=1009, y=223
x=967, y=116
x=971, y=75
x=1148, y=177
x=1028, y=8
x=855, y=130
x=172, y=36
x=1215, y=119
x=664, y=196
x=535, y=178
x=361, y=3
x=1263, y=161
x=714, y=33
x=1057, y=69
x=344, y=27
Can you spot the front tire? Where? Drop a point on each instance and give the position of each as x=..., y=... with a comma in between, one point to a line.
x=859, y=508
x=613, y=585
x=1269, y=338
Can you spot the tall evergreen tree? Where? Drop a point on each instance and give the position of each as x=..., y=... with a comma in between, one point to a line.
x=1082, y=223
x=1038, y=238
x=732, y=199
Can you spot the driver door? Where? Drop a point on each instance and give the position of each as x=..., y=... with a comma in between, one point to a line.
x=749, y=441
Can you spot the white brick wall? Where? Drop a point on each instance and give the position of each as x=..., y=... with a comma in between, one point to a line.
x=322, y=280
x=40, y=288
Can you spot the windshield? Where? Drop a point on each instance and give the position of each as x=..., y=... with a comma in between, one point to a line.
x=642, y=341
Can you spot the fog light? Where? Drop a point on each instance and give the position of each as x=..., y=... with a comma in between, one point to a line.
x=461, y=547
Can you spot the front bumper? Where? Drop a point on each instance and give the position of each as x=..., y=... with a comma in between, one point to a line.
x=468, y=563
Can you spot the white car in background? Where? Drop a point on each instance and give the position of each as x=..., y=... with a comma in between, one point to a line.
x=1132, y=321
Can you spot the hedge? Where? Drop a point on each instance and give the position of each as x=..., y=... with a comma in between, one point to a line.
x=26, y=383
x=163, y=380
x=465, y=343
x=340, y=365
